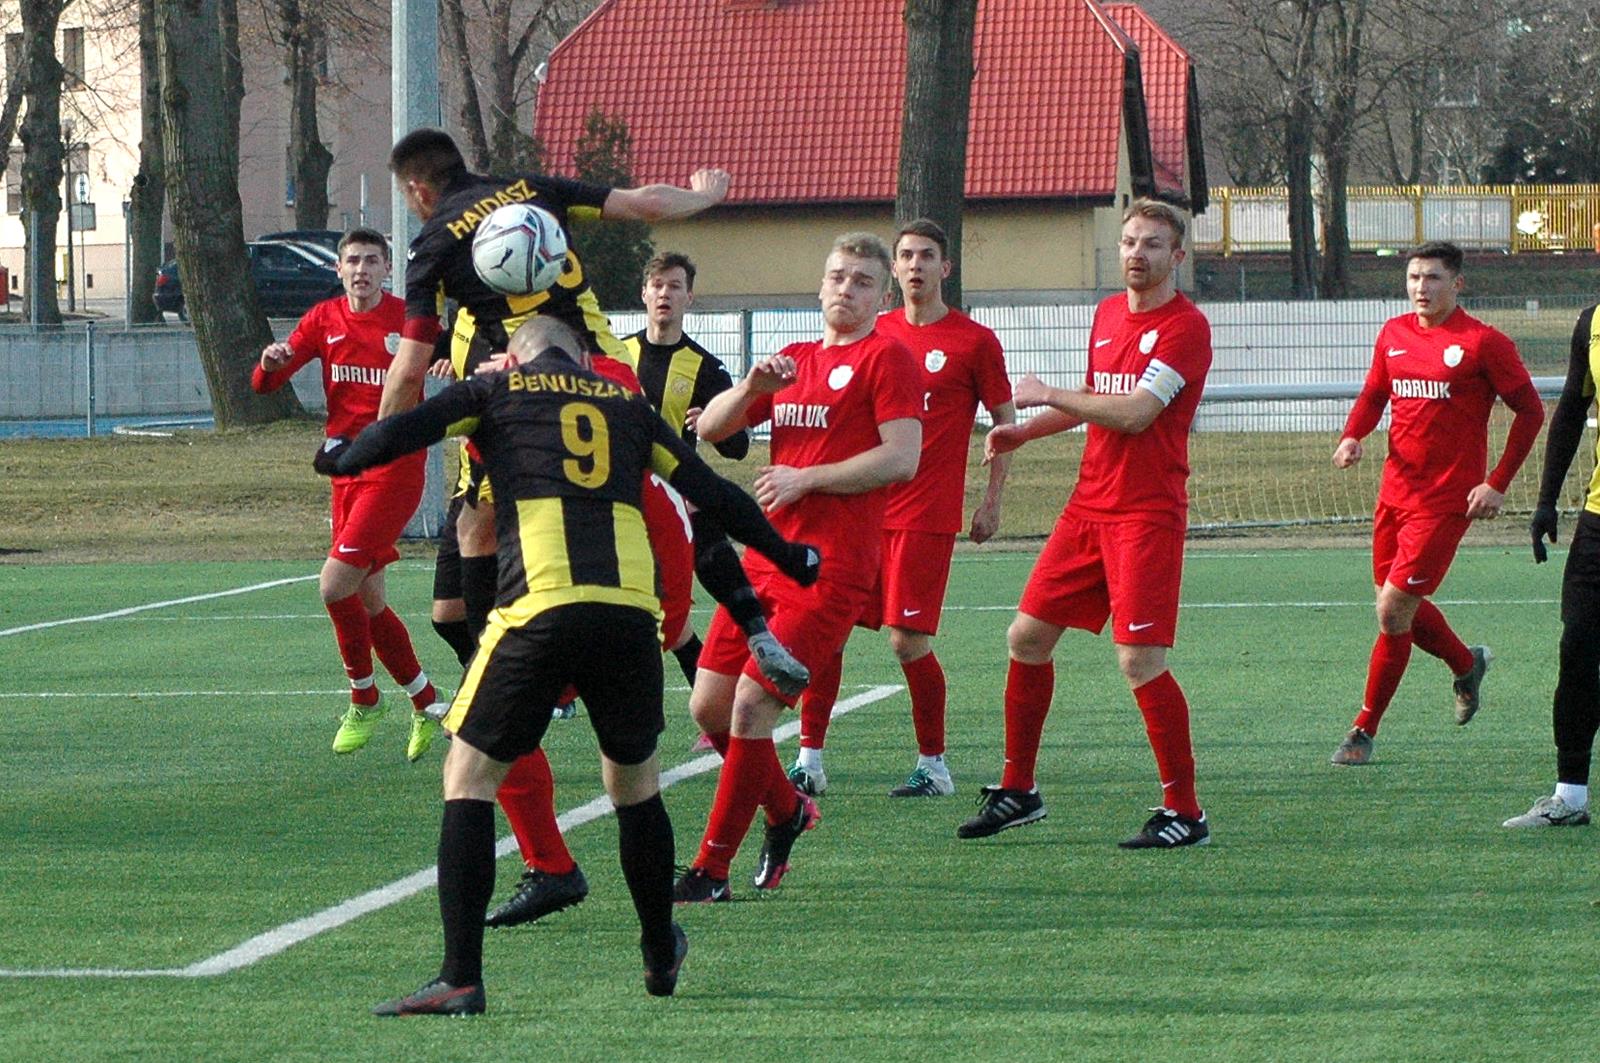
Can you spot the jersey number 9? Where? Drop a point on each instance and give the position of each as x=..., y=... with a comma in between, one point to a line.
x=584, y=434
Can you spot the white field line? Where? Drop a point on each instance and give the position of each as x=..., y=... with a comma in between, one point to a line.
x=293, y=933
x=115, y=613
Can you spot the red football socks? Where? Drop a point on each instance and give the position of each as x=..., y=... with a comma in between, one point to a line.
x=392, y=643
x=1029, y=688
x=528, y=798
x=747, y=774
x=925, y=682
x=353, y=632
x=816, y=707
x=1389, y=656
x=1166, y=722
x=1431, y=633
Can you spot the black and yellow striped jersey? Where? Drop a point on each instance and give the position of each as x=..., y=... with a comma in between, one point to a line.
x=567, y=452
x=439, y=266
x=679, y=377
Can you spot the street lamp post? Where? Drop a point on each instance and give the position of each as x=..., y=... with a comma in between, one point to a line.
x=66, y=205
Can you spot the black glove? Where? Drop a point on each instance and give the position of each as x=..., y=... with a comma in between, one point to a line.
x=327, y=460
x=802, y=563
x=1543, y=524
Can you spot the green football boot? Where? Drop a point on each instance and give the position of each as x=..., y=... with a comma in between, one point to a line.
x=356, y=726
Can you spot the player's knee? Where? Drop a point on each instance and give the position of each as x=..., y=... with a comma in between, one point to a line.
x=1029, y=641
x=908, y=645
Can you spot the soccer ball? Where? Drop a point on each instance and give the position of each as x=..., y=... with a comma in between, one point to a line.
x=519, y=249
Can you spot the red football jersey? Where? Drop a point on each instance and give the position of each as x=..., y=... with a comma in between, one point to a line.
x=356, y=350
x=962, y=365
x=1143, y=476
x=1440, y=384
x=832, y=412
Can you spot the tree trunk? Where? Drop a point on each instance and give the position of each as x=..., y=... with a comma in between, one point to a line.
x=43, y=153
x=149, y=195
x=1348, y=22
x=200, y=129
x=303, y=35
x=1298, y=140
x=933, y=129
x=471, y=115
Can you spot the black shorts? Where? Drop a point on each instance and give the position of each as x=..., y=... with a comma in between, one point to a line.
x=610, y=653
x=447, y=563
x=1580, y=580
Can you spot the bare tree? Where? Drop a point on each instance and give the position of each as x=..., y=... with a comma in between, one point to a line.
x=496, y=48
x=933, y=125
x=201, y=87
x=148, y=198
x=43, y=152
x=304, y=38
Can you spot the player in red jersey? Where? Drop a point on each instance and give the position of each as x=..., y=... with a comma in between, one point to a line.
x=1438, y=370
x=1117, y=549
x=844, y=413
x=961, y=366
x=356, y=336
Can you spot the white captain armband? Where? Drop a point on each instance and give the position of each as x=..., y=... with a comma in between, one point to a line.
x=1162, y=381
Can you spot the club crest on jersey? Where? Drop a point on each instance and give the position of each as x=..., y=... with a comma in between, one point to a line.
x=680, y=386
x=1147, y=342
x=1453, y=355
x=840, y=376
x=391, y=343
x=934, y=360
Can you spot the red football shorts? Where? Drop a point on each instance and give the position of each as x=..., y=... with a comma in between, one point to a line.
x=812, y=622
x=1090, y=571
x=1413, y=550
x=368, y=517
x=911, y=581
x=666, y=520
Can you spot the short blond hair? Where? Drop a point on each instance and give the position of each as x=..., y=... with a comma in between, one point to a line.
x=868, y=246
x=1156, y=210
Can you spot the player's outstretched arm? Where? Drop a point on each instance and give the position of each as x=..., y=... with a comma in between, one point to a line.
x=1565, y=436
x=454, y=409
x=727, y=413
x=404, y=383
x=1129, y=414
x=730, y=507
x=653, y=203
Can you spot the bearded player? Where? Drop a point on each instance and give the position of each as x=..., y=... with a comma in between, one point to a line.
x=1117, y=550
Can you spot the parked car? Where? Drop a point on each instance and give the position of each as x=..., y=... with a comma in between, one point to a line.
x=289, y=279
x=328, y=238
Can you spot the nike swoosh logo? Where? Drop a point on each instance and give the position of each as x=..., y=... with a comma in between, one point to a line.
x=1412, y=581
x=343, y=549
x=716, y=845
x=1141, y=627
x=1100, y=343
x=912, y=612
x=1394, y=351
x=335, y=339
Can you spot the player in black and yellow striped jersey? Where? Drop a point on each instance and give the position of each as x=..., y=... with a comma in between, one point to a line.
x=451, y=201
x=679, y=376
x=576, y=604
x=1576, y=709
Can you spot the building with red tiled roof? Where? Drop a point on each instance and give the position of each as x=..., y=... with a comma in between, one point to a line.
x=801, y=101
x=1172, y=104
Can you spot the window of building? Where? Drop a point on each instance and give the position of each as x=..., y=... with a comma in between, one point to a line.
x=72, y=68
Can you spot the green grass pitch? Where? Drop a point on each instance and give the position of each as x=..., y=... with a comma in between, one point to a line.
x=168, y=794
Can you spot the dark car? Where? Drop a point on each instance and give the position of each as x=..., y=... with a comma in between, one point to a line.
x=289, y=280
x=328, y=238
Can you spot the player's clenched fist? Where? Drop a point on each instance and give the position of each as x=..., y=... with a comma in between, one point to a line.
x=274, y=356
x=771, y=374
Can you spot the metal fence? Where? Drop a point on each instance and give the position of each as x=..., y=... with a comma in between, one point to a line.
x=1510, y=218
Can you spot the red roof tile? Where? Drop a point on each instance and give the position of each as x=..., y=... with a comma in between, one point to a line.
x=1165, y=68
x=801, y=99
